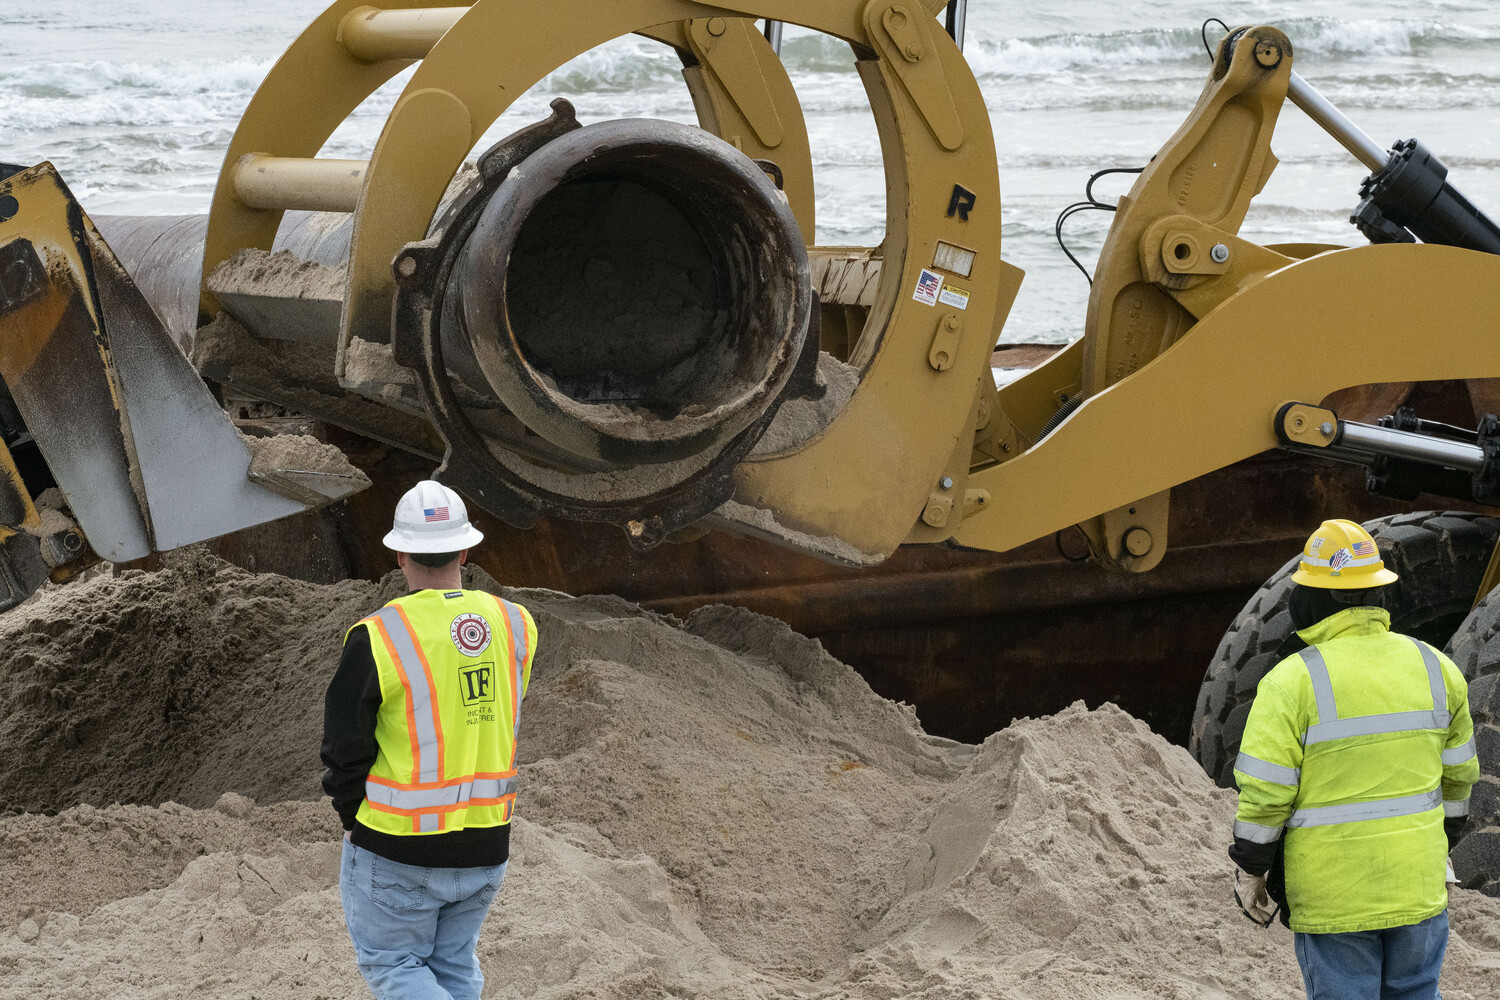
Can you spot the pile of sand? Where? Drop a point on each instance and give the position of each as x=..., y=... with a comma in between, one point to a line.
x=710, y=808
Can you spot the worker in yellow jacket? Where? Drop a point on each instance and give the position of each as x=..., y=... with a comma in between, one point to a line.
x=419, y=741
x=1354, y=774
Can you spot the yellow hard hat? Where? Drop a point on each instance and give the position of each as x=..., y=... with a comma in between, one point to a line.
x=1341, y=555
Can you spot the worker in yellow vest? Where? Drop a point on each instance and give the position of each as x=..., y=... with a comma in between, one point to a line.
x=1354, y=774
x=419, y=741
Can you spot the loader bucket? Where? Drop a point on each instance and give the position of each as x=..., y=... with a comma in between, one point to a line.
x=145, y=457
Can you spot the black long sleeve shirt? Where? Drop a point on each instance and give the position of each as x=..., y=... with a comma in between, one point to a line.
x=349, y=751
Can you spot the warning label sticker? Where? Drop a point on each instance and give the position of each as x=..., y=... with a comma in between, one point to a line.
x=929, y=285
x=952, y=295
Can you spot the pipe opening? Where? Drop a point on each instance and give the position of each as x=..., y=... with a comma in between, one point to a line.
x=636, y=291
x=614, y=295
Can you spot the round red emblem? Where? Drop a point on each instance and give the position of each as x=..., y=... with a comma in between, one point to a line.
x=471, y=634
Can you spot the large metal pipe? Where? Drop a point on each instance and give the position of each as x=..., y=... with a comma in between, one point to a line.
x=164, y=256
x=637, y=292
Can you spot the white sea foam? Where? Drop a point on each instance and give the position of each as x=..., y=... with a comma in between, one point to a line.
x=1126, y=52
x=137, y=108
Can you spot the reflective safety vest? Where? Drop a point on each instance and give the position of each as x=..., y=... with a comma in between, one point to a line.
x=454, y=666
x=1356, y=749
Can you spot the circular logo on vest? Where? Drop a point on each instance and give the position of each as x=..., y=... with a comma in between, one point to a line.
x=471, y=634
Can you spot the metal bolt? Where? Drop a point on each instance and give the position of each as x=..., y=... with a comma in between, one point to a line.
x=1327, y=429
x=407, y=267
x=1138, y=541
x=1220, y=253
x=1268, y=54
x=946, y=483
x=716, y=26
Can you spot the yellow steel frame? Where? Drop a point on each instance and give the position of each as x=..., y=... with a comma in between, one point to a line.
x=911, y=413
x=318, y=82
x=925, y=437
x=1340, y=319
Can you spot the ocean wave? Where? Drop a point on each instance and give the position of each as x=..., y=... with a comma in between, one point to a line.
x=166, y=78
x=630, y=63
x=1139, y=64
x=1316, y=37
x=40, y=97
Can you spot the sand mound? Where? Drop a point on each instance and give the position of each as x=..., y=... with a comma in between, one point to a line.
x=709, y=808
x=177, y=685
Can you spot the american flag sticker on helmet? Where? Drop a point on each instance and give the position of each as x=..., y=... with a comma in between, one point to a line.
x=435, y=514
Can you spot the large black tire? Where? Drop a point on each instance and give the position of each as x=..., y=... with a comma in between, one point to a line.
x=1475, y=649
x=1441, y=557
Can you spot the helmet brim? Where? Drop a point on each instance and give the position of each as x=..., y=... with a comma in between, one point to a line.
x=432, y=541
x=1323, y=581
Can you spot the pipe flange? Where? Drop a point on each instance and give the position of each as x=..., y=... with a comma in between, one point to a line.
x=648, y=501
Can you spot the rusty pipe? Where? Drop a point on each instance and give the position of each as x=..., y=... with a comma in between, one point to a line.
x=163, y=254
x=636, y=292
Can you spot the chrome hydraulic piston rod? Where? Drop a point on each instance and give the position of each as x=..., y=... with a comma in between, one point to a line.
x=1407, y=196
x=1337, y=124
x=774, y=31
x=1311, y=430
x=1404, y=456
x=1368, y=439
x=957, y=20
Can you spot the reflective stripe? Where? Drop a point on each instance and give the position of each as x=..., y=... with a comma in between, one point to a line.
x=1354, y=812
x=1460, y=754
x=1255, y=833
x=1366, y=561
x=1434, y=675
x=1456, y=807
x=1317, y=671
x=428, y=823
x=416, y=799
x=1375, y=725
x=1331, y=727
x=418, y=690
x=1278, y=774
x=519, y=649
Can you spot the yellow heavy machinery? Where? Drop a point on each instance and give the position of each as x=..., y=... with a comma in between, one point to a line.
x=622, y=322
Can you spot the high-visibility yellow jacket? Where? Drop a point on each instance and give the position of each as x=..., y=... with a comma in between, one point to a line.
x=453, y=666
x=1358, y=747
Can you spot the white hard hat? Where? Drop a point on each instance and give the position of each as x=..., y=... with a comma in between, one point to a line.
x=432, y=518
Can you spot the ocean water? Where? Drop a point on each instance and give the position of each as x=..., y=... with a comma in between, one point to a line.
x=135, y=103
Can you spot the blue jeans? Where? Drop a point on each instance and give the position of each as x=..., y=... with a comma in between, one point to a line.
x=1400, y=963
x=415, y=929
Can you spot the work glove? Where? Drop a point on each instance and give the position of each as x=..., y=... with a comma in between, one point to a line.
x=1255, y=902
x=1452, y=878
